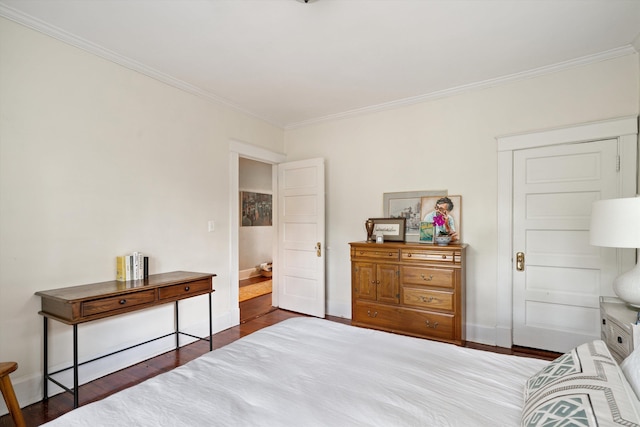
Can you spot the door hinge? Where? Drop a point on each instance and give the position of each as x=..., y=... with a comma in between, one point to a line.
x=617, y=163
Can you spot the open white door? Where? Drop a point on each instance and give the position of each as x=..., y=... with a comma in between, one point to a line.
x=301, y=247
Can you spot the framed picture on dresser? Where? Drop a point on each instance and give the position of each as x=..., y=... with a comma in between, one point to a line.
x=393, y=229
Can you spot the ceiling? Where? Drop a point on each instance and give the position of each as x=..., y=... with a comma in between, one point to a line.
x=293, y=63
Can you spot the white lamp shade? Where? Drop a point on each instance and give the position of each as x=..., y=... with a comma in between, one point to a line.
x=615, y=223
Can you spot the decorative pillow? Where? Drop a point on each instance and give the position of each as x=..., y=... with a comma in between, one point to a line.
x=584, y=387
x=631, y=369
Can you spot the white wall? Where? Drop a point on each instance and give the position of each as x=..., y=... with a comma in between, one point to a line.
x=255, y=243
x=449, y=144
x=96, y=161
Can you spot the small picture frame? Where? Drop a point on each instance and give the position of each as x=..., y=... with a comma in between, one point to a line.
x=393, y=229
x=426, y=232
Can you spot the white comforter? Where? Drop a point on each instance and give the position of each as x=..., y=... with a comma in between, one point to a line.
x=313, y=372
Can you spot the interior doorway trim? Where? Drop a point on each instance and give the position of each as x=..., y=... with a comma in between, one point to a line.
x=625, y=129
x=238, y=149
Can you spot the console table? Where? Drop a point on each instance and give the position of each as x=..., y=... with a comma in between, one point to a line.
x=85, y=303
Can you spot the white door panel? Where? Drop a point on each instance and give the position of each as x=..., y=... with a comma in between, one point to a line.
x=301, y=273
x=556, y=297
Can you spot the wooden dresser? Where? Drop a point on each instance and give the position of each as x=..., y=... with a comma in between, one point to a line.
x=409, y=288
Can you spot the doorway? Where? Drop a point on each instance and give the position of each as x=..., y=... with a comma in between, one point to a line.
x=256, y=235
x=238, y=150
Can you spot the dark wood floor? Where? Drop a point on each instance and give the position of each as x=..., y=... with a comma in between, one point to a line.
x=41, y=412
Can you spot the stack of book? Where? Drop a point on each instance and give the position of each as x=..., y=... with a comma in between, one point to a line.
x=132, y=267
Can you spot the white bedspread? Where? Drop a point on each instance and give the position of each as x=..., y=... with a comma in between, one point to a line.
x=314, y=372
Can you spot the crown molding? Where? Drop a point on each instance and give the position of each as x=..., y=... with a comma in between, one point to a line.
x=66, y=37
x=71, y=39
x=578, y=62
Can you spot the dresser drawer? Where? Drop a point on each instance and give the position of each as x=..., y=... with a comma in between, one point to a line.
x=427, y=298
x=429, y=324
x=376, y=315
x=619, y=339
x=391, y=254
x=430, y=255
x=427, y=276
x=184, y=290
x=109, y=304
x=397, y=319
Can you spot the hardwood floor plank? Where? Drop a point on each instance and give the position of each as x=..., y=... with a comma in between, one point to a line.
x=41, y=412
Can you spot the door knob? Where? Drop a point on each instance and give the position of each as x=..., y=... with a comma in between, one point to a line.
x=520, y=261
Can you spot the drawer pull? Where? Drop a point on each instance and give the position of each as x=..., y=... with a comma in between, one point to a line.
x=123, y=301
x=375, y=314
x=425, y=299
x=619, y=340
x=361, y=252
x=444, y=257
x=408, y=255
x=390, y=253
x=187, y=288
x=427, y=279
x=429, y=325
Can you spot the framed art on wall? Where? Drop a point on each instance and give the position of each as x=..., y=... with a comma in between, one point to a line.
x=408, y=205
x=255, y=209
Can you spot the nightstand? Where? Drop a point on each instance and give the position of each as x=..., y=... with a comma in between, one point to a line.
x=618, y=327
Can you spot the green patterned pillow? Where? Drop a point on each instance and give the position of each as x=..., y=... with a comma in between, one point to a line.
x=563, y=365
x=584, y=387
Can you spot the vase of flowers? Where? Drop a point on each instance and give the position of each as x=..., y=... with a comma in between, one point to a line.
x=442, y=236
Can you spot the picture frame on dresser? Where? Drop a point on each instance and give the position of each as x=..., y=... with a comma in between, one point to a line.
x=393, y=229
x=406, y=204
x=432, y=205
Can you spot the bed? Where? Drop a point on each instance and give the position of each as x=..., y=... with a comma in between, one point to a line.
x=314, y=372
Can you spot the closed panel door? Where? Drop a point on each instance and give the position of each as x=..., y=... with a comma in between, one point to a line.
x=560, y=276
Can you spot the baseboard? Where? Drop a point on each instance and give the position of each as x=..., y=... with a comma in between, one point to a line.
x=248, y=273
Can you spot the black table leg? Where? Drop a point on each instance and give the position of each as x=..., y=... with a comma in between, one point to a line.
x=210, y=325
x=75, y=366
x=177, y=327
x=45, y=356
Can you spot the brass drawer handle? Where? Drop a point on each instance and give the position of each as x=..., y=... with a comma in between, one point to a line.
x=429, y=325
x=375, y=314
x=409, y=255
x=427, y=279
x=425, y=299
x=444, y=257
x=123, y=301
x=390, y=253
